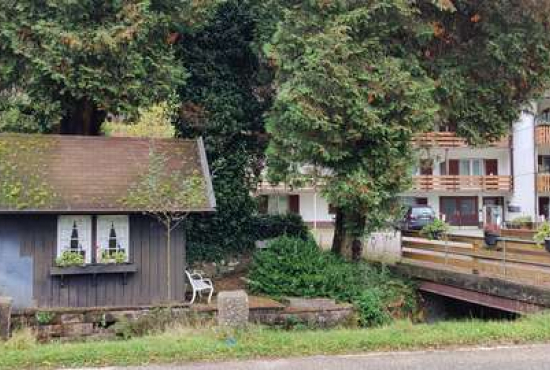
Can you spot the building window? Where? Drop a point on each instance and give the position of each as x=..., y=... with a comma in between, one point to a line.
x=112, y=236
x=74, y=234
x=277, y=205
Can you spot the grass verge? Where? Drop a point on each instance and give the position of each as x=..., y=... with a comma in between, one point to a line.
x=205, y=345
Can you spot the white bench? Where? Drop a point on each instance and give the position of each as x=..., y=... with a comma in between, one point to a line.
x=200, y=284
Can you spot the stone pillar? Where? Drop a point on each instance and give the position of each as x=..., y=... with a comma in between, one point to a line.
x=5, y=317
x=233, y=310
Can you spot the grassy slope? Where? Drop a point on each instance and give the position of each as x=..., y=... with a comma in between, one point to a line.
x=207, y=345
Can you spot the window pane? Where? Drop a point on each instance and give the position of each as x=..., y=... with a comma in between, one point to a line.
x=464, y=169
x=283, y=204
x=477, y=167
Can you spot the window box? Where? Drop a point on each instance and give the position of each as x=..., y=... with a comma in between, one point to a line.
x=96, y=269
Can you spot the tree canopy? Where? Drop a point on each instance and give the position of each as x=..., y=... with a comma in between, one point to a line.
x=80, y=60
x=357, y=79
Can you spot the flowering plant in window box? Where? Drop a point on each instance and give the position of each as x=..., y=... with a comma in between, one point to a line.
x=70, y=258
x=118, y=257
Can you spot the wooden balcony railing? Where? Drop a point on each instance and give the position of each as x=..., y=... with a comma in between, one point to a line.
x=449, y=140
x=543, y=182
x=463, y=183
x=542, y=135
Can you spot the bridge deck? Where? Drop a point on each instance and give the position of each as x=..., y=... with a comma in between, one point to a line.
x=513, y=270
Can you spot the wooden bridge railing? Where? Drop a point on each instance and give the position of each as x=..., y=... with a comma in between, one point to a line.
x=514, y=260
x=462, y=183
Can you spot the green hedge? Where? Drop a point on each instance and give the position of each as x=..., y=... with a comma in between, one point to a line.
x=208, y=245
x=297, y=267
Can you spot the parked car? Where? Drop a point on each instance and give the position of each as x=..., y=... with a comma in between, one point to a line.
x=417, y=217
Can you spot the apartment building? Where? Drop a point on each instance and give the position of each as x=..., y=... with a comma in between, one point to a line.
x=457, y=180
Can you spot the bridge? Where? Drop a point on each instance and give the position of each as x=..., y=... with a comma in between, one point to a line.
x=513, y=276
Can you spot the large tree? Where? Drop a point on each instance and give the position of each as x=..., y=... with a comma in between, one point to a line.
x=357, y=79
x=80, y=60
x=226, y=94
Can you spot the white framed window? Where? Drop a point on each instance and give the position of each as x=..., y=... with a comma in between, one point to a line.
x=113, y=235
x=74, y=234
x=277, y=205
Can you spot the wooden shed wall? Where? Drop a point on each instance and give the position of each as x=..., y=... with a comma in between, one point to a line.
x=148, y=286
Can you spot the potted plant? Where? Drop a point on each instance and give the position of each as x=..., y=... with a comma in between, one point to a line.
x=70, y=258
x=491, y=234
x=543, y=235
x=435, y=230
x=117, y=257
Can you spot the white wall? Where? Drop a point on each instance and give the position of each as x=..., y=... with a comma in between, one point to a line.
x=524, y=166
x=501, y=154
x=307, y=208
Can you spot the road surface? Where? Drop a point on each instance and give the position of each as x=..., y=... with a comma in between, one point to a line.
x=501, y=358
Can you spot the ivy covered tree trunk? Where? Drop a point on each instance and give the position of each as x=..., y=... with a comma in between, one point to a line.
x=349, y=232
x=84, y=118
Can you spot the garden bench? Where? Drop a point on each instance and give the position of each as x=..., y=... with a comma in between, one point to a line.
x=200, y=284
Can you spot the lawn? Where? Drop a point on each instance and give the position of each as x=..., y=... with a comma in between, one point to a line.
x=185, y=345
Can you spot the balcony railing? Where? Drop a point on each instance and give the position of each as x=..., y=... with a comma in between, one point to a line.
x=542, y=135
x=463, y=183
x=449, y=140
x=543, y=182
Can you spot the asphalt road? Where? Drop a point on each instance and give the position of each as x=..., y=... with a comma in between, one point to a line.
x=502, y=358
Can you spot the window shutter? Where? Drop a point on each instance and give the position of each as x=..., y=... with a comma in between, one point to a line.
x=294, y=204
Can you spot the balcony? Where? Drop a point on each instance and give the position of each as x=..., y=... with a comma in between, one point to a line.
x=449, y=140
x=463, y=183
x=542, y=135
x=543, y=182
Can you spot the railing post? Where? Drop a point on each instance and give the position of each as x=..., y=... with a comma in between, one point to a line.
x=504, y=255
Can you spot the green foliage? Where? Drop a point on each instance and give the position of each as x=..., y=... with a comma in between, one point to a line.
x=44, y=317
x=356, y=79
x=297, y=267
x=116, y=257
x=349, y=101
x=19, y=113
x=23, y=173
x=520, y=222
x=162, y=191
x=108, y=56
x=435, y=229
x=153, y=122
x=257, y=228
x=227, y=91
x=69, y=258
x=372, y=309
x=543, y=232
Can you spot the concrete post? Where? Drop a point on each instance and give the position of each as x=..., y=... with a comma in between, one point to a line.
x=5, y=317
x=233, y=309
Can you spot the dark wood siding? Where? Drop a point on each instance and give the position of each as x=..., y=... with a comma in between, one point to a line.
x=148, y=286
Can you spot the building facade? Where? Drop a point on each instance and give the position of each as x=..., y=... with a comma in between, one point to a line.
x=458, y=180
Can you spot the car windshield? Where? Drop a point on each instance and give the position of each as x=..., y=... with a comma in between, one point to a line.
x=426, y=211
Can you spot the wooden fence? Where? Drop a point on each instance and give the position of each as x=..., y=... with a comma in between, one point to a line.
x=519, y=261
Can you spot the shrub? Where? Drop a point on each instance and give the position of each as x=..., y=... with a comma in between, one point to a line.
x=297, y=267
x=21, y=339
x=543, y=232
x=434, y=229
x=272, y=226
x=215, y=247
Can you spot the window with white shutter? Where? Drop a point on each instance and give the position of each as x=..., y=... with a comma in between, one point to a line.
x=74, y=234
x=112, y=237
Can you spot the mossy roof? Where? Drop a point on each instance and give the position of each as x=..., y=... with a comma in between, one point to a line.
x=83, y=174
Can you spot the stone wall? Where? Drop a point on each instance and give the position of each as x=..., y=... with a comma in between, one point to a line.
x=75, y=324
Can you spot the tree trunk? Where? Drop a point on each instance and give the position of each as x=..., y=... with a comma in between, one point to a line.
x=349, y=230
x=83, y=119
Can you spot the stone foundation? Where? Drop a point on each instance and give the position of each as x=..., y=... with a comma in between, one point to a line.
x=99, y=323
